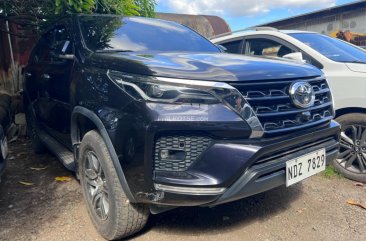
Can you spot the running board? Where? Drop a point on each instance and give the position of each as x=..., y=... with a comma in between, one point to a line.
x=62, y=153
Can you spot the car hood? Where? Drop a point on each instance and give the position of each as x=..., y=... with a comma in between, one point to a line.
x=202, y=66
x=355, y=67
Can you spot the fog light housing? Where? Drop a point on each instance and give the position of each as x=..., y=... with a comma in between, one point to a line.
x=172, y=155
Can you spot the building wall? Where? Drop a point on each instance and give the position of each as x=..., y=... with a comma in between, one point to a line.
x=331, y=23
x=11, y=76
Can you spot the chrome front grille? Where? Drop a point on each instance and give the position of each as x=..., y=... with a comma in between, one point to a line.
x=272, y=104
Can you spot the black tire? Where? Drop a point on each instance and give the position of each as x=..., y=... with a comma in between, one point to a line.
x=351, y=161
x=37, y=145
x=100, y=183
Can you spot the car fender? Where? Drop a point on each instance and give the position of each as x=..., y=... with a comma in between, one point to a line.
x=79, y=110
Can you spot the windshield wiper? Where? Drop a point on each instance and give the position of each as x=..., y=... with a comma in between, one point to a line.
x=113, y=50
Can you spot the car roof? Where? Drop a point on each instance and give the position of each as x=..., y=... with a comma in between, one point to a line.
x=295, y=31
x=247, y=32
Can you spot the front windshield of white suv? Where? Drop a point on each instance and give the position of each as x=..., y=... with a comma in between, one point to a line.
x=332, y=48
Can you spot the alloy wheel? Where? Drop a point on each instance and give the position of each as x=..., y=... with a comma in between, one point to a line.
x=96, y=185
x=352, y=154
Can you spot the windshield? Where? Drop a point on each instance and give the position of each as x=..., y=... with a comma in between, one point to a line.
x=114, y=33
x=332, y=48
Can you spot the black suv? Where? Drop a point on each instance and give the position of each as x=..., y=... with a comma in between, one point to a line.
x=152, y=116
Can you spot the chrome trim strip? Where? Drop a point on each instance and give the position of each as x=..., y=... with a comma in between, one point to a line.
x=189, y=190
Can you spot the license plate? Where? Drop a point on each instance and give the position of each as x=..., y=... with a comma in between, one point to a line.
x=305, y=166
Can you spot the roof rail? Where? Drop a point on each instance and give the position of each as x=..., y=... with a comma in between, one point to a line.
x=265, y=28
x=262, y=28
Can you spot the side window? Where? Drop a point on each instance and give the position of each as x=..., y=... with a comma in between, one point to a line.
x=43, y=48
x=50, y=45
x=266, y=47
x=232, y=47
x=61, y=36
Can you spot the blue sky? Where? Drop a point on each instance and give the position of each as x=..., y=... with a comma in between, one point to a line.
x=245, y=13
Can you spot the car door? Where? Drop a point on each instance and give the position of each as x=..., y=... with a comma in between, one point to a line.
x=58, y=75
x=36, y=81
x=48, y=76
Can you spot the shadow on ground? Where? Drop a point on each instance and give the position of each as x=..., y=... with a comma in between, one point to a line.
x=224, y=218
x=27, y=210
x=24, y=209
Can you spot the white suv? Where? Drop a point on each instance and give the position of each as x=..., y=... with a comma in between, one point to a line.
x=343, y=64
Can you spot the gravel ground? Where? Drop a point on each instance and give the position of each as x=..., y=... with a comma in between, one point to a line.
x=315, y=209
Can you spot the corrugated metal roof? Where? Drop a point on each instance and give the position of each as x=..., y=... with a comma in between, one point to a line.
x=218, y=24
x=206, y=25
x=335, y=9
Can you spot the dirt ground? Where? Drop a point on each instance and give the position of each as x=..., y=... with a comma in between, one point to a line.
x=315, y=209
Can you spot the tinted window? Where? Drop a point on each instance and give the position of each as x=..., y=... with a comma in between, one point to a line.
x=233, y=47
x=332, y=48
x=61, y=36
x=139, y=34
x=51, y=44
x=266, y=47
x=43, y=48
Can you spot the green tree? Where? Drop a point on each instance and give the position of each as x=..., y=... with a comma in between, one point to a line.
x=146, y=7
x=122, y=7
x=45, y=9
x=38, y=14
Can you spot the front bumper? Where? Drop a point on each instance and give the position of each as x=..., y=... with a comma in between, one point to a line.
x=264, y=167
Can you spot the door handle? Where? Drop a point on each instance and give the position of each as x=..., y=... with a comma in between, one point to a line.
x=45, y=76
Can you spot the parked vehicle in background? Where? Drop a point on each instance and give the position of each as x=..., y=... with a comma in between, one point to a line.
x=4, y=151
x=343, y=64
x=5, y=121
x=153, y=116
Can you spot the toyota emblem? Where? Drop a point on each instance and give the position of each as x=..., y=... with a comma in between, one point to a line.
x=302, y=94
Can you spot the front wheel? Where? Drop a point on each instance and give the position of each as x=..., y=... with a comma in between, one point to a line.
x=111, y=212
x=351, y=161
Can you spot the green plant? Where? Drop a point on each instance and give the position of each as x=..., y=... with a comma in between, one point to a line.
x=330, y=172
x=36, y=15
x=122, y=7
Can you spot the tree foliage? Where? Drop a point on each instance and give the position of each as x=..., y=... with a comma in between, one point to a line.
x=45, y=9
x=38, y=14
x=121, y=7
x=146, y=7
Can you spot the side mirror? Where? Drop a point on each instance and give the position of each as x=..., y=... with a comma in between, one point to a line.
x=297, y=56
x=222, y=48
x=64, y=49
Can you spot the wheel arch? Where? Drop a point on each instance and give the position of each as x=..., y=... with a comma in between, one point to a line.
x=349, y=110
x=92, y=121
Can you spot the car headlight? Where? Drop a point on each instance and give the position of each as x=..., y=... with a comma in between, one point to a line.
x=178, y=91
x=154, y=89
